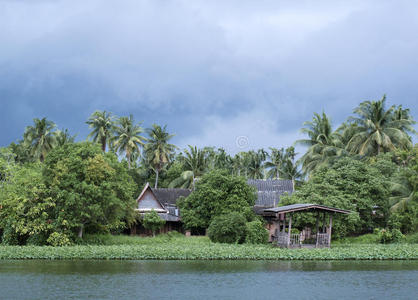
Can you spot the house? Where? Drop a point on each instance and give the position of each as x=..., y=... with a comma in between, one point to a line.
x=164, y=202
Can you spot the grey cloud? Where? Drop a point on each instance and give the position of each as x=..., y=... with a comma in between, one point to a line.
x=190, y=64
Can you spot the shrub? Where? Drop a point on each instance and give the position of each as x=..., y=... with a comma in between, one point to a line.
x=387, y=236
x=229, y=228
x=256, y=233
x=57, y=239
x=152, y=221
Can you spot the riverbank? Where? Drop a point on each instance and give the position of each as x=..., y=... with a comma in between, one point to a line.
x=200, y=248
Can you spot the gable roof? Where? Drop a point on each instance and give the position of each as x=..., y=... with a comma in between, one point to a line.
x=270, y=190
x=165, y=197
x=169, y=197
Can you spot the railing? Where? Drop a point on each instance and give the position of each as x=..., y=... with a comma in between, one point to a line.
x=322, y=239
x=282, y=238
x=295, y=239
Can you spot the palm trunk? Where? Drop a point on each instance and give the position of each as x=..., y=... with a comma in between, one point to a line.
x=80, y=232
x=128, y=157
x=156, y=178
x=103, y=141
x=378, y=149
x=293, y=184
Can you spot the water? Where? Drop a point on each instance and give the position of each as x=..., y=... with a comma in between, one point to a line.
x=208, y=280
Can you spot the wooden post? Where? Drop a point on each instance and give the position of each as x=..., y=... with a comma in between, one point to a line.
x=317, y=229
x=284, y=223
x=290, y=229
x=323, y=223
x=329, y=230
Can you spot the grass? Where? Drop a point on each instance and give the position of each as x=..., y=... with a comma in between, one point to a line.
x=178, y=247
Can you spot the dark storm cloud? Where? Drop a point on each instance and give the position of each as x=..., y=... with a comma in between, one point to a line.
x=213, y=71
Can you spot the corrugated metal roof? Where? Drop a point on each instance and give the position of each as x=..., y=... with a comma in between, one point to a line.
x=304, y=206
x=270, y=190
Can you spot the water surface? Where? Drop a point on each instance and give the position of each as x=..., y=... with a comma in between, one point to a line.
x=208, y=280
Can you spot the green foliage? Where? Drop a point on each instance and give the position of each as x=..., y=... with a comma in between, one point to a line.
x=25, y=207
x=380, y=130
x=57, y=239
x=256, y=233
x=88, y=187
x=40, y=138
x=228, y=228
x=200, y=248
x=386, y=236
x=102, y=125
x=348, y=184
x=217, y=193
x=128, y=138
x=152, y=221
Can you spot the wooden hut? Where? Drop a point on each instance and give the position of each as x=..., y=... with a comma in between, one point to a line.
x=281, y=218
x=164, y=202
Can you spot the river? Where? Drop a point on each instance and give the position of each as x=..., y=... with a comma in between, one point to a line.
x=208, y=280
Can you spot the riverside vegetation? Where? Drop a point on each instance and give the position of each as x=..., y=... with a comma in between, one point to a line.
x=55, y=190
x=177, y=247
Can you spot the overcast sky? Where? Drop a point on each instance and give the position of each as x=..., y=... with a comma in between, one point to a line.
x=234, y=74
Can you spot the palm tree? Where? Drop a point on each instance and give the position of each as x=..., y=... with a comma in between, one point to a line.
x=275, y=165
x=40, y=138
x=379, y=130
x=238, y=163
x=255, y=167
x=404, y=192
x=63, y=137
x=101, y=123
x=128, y=138
x=195, y=163
x=322, y=143
x=290, y=169
x=158, y=151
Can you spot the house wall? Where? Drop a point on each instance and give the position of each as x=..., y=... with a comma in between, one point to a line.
x=148, y=200
x=168, y=226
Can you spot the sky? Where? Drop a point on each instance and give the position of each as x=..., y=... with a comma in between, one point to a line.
x=234, y=74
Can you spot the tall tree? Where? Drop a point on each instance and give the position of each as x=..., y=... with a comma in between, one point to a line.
x=102, y=124
x=255, y=164
x=276, y=162
x=40, y=138
x=290, y=169
x=158, y=150
x=380, y=129
x=321, y=143
x=195, y=163
x=63, y=137
x=128, y=138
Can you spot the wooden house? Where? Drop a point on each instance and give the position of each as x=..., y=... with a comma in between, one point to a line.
x=164, y=202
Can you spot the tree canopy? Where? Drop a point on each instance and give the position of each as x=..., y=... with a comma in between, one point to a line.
x=217, y=193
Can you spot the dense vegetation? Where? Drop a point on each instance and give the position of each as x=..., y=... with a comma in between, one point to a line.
x=54, y=189
x=179, y=247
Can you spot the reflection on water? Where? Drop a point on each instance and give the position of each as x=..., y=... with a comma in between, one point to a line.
x=208, y=279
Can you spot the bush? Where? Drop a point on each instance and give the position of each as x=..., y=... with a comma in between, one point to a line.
x=57, y=239
x=152, y=221
x=256, y=233
x=386, y=236
x=229, y=228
